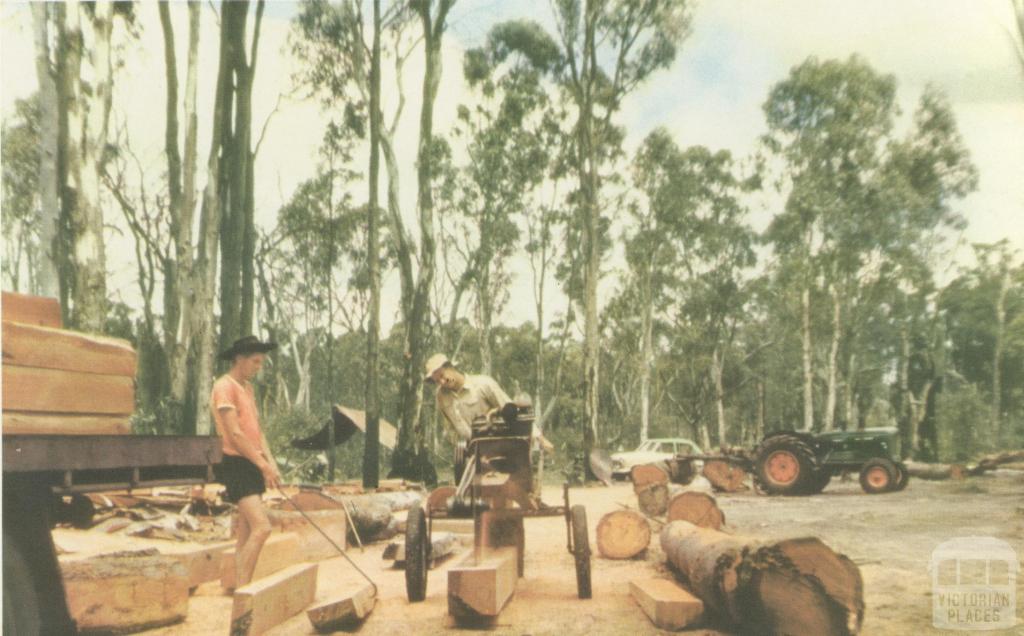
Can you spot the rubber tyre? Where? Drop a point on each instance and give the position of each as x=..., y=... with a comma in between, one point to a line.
x=821, y=479
x=790, y=449
x=902, y=478
x=417, y=555
x=459, y=464
x=21, y=599
x=581, y=551
x=875, y=468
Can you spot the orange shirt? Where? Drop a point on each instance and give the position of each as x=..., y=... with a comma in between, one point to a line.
x=228, y=393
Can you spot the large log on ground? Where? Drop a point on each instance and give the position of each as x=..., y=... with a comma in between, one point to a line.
x=990, y=462
x=31, y=310
x=46, y=348
x=312, y=545
x=668, y=605
x=724, y=476
x=653, y=499
x=203, y=564
x=698, y=508
x=922, y=470
x=480, y=588
x=622, y=534
x=343, y=610
x=797, y=586
x=55, y=391
x=278, y=552
x=270, y=601
x=126, y=592
x=442, y=544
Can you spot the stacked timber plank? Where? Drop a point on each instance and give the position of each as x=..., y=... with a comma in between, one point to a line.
x=60, y=382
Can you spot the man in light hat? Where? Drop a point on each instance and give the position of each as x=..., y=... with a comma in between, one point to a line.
x=248, y=467
x=461, y=398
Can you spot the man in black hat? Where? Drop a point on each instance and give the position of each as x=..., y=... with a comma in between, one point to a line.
x=248, y=467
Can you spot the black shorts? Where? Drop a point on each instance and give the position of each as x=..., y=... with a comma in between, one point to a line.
x=241, y=478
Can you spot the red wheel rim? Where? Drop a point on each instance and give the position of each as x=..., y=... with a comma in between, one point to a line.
x=782, y=467
x=877, y=477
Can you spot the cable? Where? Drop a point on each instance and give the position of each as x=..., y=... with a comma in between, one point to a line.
x=329, y=539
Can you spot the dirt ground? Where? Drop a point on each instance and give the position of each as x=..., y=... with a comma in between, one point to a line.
x=889, y=536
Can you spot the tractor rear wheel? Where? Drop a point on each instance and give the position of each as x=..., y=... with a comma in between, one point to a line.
x=820, y=480
x=785, y=465
x=902, y=477
x=878, y=475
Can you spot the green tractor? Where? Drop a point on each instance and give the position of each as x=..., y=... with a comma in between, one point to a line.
x=796, y=463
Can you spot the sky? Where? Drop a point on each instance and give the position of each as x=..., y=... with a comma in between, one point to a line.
x=712, y=95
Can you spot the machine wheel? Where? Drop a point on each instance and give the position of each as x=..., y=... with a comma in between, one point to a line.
x=902, y=477
x=878, y=475
x=417, y=555
x=785, y=465
x=21, y=600
x=820, y=480
x=581, y=550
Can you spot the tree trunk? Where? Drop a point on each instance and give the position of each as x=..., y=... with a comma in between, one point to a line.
x=833, y=361
x=851, y=387
x=371, y=448
x=805, y=332
x=647, y=356
x=47, y=281
x=87, y=116
x=716, y=376
x=907, y=400
x=761, y=400
x=795, y=586
x=622, y=534
x=997, y=355
x=697, y=508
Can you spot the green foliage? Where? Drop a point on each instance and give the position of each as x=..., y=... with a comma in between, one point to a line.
x=963, y=424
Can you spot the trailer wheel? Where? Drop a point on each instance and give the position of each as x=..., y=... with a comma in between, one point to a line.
x=581, y=551
x=417, y=555
x=878, y=475
x=21, y=600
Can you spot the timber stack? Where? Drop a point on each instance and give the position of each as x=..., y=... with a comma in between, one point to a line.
x=60, y=382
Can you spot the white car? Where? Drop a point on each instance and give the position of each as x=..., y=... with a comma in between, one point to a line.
x=652, y=450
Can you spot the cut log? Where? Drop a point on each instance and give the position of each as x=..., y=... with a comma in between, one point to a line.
x=22, y=423
x=312, y=545
x=644, y=475
x=797, y=586
x=31, y=310
x=372, y=520
x=653, y=499
x=270, y=601
x=438, y=498
x=203, y=564
x=724, y=476
x=47, y=348
x=990, y=462
x=343, y=611
x=442, y=544
x=668, y=605
x=622, y=534
x=126, y=592
x=53, y=391
x=394, y=500
x=278, y=552
x=681, y=470
x=698, y=508
x=479, y=588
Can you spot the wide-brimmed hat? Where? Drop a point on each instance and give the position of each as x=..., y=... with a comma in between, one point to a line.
x=435, y=362
x=247, y=345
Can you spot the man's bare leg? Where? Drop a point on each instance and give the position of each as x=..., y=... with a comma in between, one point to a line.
x=251, y=510
x=241, y=536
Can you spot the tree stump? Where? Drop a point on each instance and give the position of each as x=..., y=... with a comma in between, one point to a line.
x=622, y=534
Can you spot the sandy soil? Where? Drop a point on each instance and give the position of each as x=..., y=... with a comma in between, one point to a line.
x=889, y=536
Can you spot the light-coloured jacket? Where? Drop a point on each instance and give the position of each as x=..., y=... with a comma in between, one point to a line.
x=478, y=395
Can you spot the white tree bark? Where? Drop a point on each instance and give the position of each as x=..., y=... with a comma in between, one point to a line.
x=997, y=356
x=805, y=307
x=716, y=374
x=49, y=132
x=833, y=361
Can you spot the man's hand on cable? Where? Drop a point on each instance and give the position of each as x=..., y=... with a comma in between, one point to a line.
x=271, y=476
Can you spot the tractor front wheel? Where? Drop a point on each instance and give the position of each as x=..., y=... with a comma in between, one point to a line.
x=878, y=475
x=902, y=477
